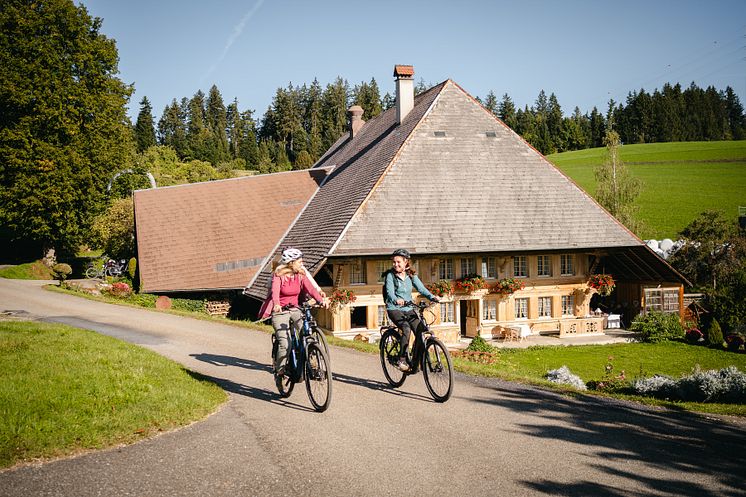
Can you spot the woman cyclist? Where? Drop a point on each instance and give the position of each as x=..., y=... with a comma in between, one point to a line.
x=398, y=285
x=289, y=279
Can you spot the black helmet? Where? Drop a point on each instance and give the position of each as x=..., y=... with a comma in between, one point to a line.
x=402, y=252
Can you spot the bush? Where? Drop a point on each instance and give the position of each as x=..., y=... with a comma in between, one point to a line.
x=724, y=385
x=119, y=289
x=563, y=376
x=144, y=299
x=131, y=268
x=715, y=335
x=478, y=344
x=655, y=327
x=191, y=305
x=61, y=271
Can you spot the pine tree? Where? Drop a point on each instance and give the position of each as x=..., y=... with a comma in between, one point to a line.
x=312, y=120
x=507, y=112
x=145, y=127
x=248, y=149
x=554, y=125
x=490, y=103
x=233, y=129
x=334, y=111
x=734, y=115
x=367, y=96
x=63, y=124
x=215, y=113
x=172, y=128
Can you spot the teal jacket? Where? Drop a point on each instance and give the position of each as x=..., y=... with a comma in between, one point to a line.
x=395, y=288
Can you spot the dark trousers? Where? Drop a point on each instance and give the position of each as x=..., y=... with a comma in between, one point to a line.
x=407, y=321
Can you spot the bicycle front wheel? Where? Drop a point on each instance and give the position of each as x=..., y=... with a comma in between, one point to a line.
x=321, y=339
x=318, y=377
x=436, y=366
x=389, y=351
x=91, y=273
x=284, y=384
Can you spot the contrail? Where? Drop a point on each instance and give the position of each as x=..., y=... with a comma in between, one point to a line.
x=237, y=30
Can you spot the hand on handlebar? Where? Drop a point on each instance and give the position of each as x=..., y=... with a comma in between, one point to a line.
x=400, y=302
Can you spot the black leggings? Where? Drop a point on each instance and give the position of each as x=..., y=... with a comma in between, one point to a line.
x=407, y=321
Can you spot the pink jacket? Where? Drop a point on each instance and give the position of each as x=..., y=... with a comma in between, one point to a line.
x=286, y=290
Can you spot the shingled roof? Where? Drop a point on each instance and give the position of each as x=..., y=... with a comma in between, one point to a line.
x=216, y=235
x=451, y=179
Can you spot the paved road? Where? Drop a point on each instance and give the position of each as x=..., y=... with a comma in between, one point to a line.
x=491, y=438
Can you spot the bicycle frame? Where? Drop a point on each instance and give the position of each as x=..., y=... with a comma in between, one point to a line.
x=299, y=342
x=418, y=347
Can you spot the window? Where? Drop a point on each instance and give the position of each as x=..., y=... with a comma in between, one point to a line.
x=566, y=265
x=446, y=312
x=545, y=307
x=489, y=267
x=662, y=300
x=468, y=266
x=489, y=310
x=521, y=308
x=544, y=265
x=357, y=273
x=445, y=269
x=381, y=268
x=383, y=316
x=520, y=267
x=568, y=305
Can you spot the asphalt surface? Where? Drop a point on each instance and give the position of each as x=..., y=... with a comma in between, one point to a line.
x=491, y=438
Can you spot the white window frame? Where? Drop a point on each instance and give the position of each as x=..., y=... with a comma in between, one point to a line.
x=567, y=261
x=381, y=267
x=521, y=308
x=491, y=268
x=662, y=300
x=448, y=310
x=520, y=262
x=489, y=310
x=568, y=304
x=543, y=266
x=357, y=277
x=382, y=316
x=545, y=307
x=445, y=268
x=469, y=263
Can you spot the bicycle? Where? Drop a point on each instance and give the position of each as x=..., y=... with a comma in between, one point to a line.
x=109, y=268
x=428, y=353
x=307, y=359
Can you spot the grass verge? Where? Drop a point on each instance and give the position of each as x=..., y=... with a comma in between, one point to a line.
x=67, y=390
x=28, y=271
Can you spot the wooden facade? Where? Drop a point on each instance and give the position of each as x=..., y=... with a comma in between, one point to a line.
x=556, y=297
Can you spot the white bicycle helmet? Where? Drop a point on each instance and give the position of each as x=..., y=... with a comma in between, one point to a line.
x=290, y=254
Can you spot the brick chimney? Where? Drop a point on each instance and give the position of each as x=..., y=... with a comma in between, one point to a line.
x=404, y=91
x=355, y=119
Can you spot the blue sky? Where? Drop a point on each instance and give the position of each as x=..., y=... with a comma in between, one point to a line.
x=585, y=52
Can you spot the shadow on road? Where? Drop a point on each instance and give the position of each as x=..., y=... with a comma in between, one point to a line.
x=695, y=448
x=225, y=360
x=378, y=386
x=247, y=391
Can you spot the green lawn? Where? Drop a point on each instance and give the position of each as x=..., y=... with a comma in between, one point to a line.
x=64, y=390
x=680, y=180
x=28, y=271
x=637, y=360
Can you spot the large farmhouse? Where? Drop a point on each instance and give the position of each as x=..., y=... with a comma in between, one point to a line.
x=439, y=175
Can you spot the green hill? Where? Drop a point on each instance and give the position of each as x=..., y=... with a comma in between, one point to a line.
x=680, y=179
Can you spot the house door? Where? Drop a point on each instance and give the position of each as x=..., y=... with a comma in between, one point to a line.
x=469, y=314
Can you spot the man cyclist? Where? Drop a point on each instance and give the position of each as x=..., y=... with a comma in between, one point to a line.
x=397, y=290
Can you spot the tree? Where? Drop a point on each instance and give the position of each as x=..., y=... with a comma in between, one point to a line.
x=616, y=188
x=367, y=96
x=172, y=128
x=145, y=127
x=217, y=123
x=507, y=112
x=490, y=102
x=63, y=124
x=114, y=230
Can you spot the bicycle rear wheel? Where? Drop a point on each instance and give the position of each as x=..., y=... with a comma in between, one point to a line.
x=321, y=339
x=389, y=352
x=436, y=366
x=318, y=377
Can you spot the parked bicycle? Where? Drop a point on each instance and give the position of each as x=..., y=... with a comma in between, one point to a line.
x=109, y=268
x=428, y=353
x=307, y=359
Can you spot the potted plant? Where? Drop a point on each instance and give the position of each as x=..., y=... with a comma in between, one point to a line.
x=441, y=288
x=508, y=286
x=470, y=283
x=603, y=283
x=340, y=297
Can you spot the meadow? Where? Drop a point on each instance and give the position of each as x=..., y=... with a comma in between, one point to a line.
x=680, y=180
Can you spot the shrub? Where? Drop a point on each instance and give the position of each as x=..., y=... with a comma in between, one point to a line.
x=144, y=299
x=655, y=327
x=119, y=289
x=61, y=271
x=724, y=385
x=564, y=376
x=191, y=305
x=478, y=344
x=610, y=381
x=715, y=335
x=131, y=268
